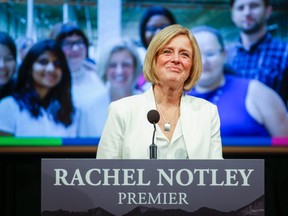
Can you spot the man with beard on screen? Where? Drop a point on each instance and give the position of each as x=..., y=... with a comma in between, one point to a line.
x=257, y=55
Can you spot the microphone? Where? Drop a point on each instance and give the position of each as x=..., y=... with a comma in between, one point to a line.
x=153, y=117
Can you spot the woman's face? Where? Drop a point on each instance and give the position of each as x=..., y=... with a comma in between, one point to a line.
x=75, y=51
x=174, y=62
x=7, y=64
x=46, y=72
x=120, y=69
x=155, y=24
x=213, y=59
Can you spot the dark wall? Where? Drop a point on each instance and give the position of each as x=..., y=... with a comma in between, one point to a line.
x=20, y=181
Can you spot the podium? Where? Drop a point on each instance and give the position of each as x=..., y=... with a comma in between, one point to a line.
x=152, y=187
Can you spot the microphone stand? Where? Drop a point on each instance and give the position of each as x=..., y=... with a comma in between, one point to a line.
x=153, y=147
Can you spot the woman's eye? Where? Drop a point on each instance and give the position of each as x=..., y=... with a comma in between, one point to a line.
x=127, y=65
x=185, y=54
x=57, y=64
x=43, y=61
x=112, y=65
x=167, y=51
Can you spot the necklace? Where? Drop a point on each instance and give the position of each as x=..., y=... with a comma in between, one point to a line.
x=167, y=125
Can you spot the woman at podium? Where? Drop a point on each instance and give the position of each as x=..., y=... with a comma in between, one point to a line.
x=187, y=128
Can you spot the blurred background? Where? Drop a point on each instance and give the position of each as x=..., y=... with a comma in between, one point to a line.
x=109, y=18
x=102, y=20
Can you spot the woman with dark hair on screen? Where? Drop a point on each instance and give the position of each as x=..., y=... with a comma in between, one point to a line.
x=8, y=64
x=89, y=93
x=87, y=86
x=41, y=104
x=189, y=127
x=153, y=20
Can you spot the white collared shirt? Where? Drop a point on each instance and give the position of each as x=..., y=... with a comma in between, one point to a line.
x=174, y=149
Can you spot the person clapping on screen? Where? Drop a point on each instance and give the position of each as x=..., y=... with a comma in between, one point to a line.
x=189, y=127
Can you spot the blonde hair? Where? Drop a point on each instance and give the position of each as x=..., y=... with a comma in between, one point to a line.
x=114, y=46
x=159, y=42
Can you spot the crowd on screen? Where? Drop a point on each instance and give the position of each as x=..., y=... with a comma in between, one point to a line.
x=53, y=88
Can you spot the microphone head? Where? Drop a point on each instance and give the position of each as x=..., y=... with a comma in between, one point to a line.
x=153, y=116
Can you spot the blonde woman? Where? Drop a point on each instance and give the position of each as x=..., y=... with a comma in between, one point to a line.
x=189, y=127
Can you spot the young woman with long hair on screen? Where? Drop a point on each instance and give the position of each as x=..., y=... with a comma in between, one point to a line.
x=41, y=104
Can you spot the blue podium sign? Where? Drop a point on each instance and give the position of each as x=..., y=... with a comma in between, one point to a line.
x=152, y=187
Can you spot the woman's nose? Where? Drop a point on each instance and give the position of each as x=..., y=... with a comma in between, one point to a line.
x=175, y=57
x=119, y=69
x=50, y=67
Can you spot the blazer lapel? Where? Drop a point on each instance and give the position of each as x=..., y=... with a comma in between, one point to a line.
x=150, y=100
x=189, y=121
